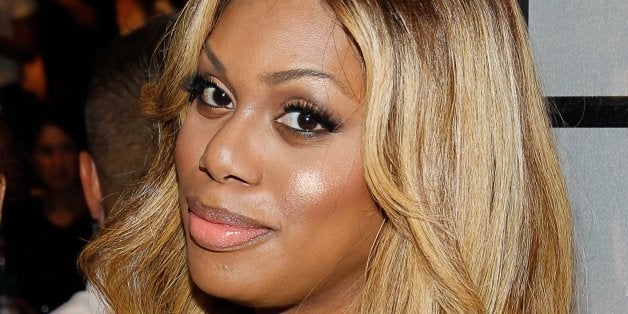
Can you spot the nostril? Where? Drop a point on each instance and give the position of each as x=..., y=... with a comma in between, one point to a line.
x=231, y=177
x=204, y=169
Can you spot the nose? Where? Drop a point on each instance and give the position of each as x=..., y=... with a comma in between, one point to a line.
x=58, y=158
x=232, y=155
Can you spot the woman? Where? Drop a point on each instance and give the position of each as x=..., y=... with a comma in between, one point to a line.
x=55, y=149
x=46, y=231
x=345, y=156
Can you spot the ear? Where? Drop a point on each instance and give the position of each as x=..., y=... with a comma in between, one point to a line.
x=3, y=188
x=91, y=186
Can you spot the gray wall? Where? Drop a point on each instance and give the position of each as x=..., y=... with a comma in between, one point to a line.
x=595, y=164
x=581, y=47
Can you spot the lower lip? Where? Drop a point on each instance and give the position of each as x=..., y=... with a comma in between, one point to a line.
x=220, y=237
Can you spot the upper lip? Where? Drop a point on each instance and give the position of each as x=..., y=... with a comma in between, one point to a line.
x=222, y=216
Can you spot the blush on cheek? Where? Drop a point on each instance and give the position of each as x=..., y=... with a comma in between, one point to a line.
x=304, y=189
x=309, y=185
x=321, y=189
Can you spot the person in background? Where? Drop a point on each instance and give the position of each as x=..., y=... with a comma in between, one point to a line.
x=45, y=232
x=120, y=138
x=8, y=303
x=6, y=160
x=13, y=186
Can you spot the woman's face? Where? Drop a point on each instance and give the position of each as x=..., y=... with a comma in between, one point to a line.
x=56, y=158
x=272, y=195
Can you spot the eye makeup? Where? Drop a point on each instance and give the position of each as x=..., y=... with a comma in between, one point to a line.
x=208, y=91
x=301, y=117
x=305, y=117
x=211, y=100
x=195, y=86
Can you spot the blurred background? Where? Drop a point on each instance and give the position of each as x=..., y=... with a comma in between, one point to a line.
x=48, y=49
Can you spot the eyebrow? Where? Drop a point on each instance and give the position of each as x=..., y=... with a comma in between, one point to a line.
x=280, y=77
x=213, y=58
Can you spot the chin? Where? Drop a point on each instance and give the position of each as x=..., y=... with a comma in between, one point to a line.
x=226, y=275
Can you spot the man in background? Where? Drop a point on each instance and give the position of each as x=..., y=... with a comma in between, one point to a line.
x=121, y=140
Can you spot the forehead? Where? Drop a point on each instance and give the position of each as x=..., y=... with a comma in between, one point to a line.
x=52, y=135
x=279, y=35
x=276, y=20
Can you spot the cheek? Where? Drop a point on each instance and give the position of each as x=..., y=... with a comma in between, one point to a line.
x=187, y=152
x=304, y=187
x=41, y=162
x=45, y=165
x=334, y=186
x=72, y=162
x=182, y=155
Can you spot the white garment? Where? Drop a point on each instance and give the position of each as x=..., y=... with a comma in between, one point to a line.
x=11, y=10
x=83, y=302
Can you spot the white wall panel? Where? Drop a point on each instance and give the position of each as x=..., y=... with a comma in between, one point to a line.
x=581, y=46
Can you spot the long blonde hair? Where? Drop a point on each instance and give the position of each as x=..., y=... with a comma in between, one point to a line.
x=457, y=151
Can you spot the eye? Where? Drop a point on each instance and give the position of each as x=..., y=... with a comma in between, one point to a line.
x=302, y=121
x=214, y=96
x=207, y=92
x=45, y=150
x=306, y=118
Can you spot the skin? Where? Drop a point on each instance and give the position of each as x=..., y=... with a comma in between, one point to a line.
x=56, y=158
x=245, y=159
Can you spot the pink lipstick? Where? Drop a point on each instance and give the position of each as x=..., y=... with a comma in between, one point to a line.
x=220, y=230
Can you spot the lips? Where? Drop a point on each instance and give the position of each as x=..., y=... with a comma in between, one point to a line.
x=220, y=230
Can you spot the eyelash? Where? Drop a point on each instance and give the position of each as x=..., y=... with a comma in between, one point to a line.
x=197, y=84
x=324, y=118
